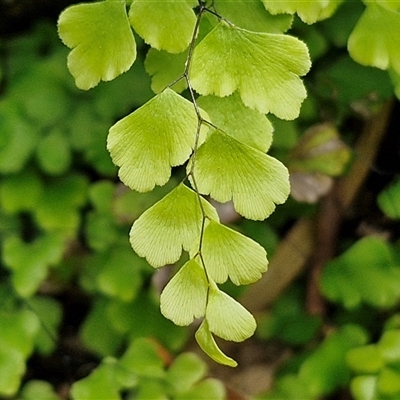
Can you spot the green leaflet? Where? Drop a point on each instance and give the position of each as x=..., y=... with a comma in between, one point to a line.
x=119, y=273
x=101, y=40
x=17, y=334
x=38, y=389
x=320, y=149
x=370, y=45
x=172, y=224
x=101, y=380
x=49, y=313
x=187, y=370
x=325, y=369
x=228, y=253
x=229, y=170
x=308, y=11
x=263, y=67
x=210, y=388
x=244, y=124
x=54, y=153
x=251, y=15
x=227, y=318
x=365, y=359
x=164, y=68
x=184, y=298
x=18, y=138
x=393, y=5
x=365, y=273
x=29, y=262
x=165, y=25
x=20, y=192
x=148, y=142
x=389, y=200
x=207, y=343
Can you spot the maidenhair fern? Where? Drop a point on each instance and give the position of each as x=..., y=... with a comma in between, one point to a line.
x=234, y=75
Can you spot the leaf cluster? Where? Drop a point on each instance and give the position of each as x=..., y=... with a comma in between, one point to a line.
x=197, y=94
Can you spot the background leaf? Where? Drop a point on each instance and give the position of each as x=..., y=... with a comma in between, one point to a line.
x=309, y=12
x=366, y=272
x=369, y=45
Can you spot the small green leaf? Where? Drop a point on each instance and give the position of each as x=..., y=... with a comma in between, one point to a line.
x=366, y=272
x=12, y=368
x=228, y=170
x=289, y=386
x=17, y=140
x=157, y=136
x=364, y=387
x=184, y=298
x=58, y=208
x=35, y=389
x=23, y=322
x=17, y=334
x=389, y=382
x=287, y=320
x=264, y=68
x=186, y=370
x=98, y=333
x=207, y=343
x=389, y=200
x=325, y=369
x=128, y=205
x=227, y=253
x=309, y=11
x=370, y=44
x=29, y=262
x=165, y=68
x=248, y=126
x=151, y=388
x=49, y=313
x=227, y=318
x=172, y=224
x=142, y=358
x=20, y=192
x=210, y=389
x=320, y=150
x=101, y=39
x=142, y=318
x=120, y=274
x=101, y=380
x=365, y=360
x=166, y=25
x=389, y=345
x=101, y=195
x=53, y=152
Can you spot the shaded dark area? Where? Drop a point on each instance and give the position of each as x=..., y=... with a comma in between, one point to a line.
x=18, y=16
x=70, y=361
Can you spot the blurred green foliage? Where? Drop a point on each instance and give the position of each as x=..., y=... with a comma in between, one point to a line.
x=65, y=219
